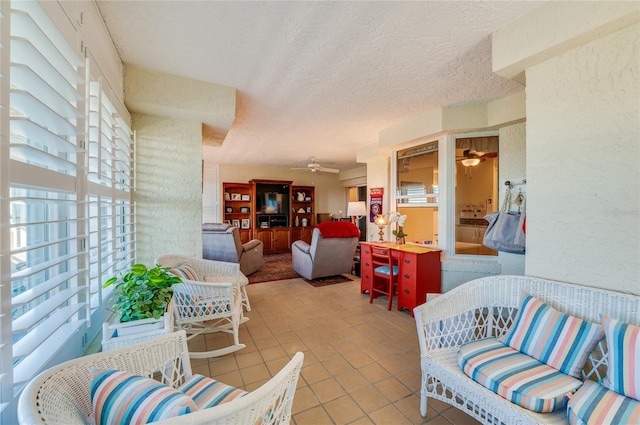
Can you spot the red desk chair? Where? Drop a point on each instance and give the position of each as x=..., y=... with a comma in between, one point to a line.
x=385, y=269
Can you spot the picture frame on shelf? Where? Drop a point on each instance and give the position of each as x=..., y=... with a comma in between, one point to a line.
x=236, y=197
x=227, y=196
x=246, y=223
x=245, y=198
x=245, y=210
x=228, y=210
x=235, y=223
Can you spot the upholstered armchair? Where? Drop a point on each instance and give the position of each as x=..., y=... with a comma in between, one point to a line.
x=221, y=241
x=333, y=245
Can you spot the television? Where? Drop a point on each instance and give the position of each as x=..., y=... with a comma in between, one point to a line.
x=272, y=198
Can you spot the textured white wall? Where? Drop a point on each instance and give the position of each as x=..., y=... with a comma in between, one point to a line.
x=582, y=161
x=169, y=187
x=512, y=166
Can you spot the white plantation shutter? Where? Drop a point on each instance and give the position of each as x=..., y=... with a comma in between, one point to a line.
x=66, y=218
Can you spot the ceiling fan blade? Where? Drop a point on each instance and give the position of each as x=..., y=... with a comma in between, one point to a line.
x=328, y=170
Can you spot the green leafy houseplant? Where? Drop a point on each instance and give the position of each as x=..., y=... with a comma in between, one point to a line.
x=142, y=292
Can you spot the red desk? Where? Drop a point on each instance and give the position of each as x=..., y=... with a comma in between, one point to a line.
x=418, y=272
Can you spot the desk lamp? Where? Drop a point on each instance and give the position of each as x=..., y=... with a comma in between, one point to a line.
x=381, y=222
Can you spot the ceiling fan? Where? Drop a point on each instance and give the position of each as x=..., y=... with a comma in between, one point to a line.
x=472, y=157
x=314, y=167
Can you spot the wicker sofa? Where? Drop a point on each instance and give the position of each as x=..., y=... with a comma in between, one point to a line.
x=487, y=307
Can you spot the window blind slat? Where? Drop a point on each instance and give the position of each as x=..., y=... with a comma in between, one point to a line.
x=43, y=310
x=41, y=289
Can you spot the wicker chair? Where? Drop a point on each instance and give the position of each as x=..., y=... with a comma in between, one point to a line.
x=211, y=271
x=60, y=395
x=211, y=306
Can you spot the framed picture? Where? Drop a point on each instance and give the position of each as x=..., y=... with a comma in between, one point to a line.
x=228, y=209
x=235, y=223
x=246, y=223
x=246, y=197
x=227, y=196
x=244, y=210
x=235, y=197
x=308, y=209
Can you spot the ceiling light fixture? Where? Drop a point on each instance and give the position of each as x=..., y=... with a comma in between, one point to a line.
x=470, y=162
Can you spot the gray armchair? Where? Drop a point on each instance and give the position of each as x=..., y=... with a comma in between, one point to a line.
x=221, y=241
x=333, y=245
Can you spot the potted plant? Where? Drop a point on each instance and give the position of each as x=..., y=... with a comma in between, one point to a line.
x=142, y=297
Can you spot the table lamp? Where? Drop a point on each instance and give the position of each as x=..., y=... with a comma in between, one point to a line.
x=356, y=210
x=381, y=222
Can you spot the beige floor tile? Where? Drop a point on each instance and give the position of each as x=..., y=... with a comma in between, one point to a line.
x=314, y=416
x=362, y=362
x=352, y=380
x=304, y=400
x=369, y=399
x=392, y=389
x=343, y=410
x=389, y=415
x=327, y=390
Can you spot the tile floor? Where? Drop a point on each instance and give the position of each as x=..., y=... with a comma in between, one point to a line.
x=361, y=361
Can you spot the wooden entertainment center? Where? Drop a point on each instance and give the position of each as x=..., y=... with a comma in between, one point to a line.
x=273, y=211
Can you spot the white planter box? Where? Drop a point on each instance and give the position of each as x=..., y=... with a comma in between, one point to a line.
x=128, y=333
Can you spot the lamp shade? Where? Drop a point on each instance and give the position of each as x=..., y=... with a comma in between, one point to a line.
x=470, y=162
x=380, y=220
x=357, y=208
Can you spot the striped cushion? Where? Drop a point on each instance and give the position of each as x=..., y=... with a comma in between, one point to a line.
x=516, y=377
x=185, y=271
x=207, y=392
x=623, y=357
x=385, y=270
x=557, y=339
x=123, y=398
x=594, y=404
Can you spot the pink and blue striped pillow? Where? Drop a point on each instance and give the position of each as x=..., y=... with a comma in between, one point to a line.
x=185, y=271
x=120, y=397
x=515, y=376
x=557, y=339
x=594, y=404
x=623, y=357
x=207, y=392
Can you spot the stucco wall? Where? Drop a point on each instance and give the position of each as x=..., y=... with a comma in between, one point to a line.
x=512, y=167
x=582, y=162
x=168, y=194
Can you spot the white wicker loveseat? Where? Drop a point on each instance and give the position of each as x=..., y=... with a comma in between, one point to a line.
x=61, y=394
x=486, y=307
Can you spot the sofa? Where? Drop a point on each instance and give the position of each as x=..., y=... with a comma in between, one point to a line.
x=221, y=241
x=523, y=350
x=333, y=245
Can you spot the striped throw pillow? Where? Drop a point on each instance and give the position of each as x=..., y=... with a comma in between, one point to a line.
x=185, y=271
x=623, y=357
x=557, y=339
x=119, y=397
x=594, y=404
x=516, y=377
x=207, y=392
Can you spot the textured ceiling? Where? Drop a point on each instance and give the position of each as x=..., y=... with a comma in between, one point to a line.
x=318, y=79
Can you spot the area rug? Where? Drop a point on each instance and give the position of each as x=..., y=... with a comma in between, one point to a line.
x=276, y=267
x=328, y=280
